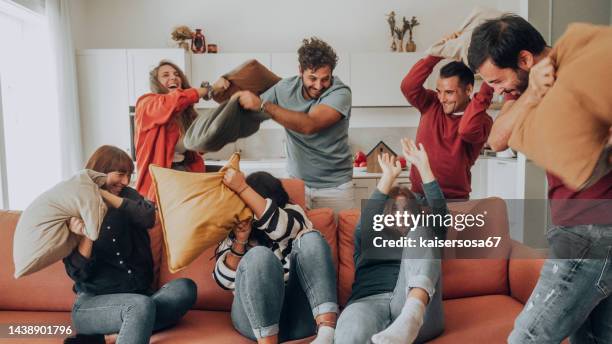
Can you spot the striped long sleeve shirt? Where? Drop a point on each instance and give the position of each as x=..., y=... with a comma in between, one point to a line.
x=281, y=225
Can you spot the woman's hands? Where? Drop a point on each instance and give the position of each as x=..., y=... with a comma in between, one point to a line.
x=242, y=231
x=235, y=180
x=76, y=226
x=391, y=168
x=418, y=158
x=222, y=84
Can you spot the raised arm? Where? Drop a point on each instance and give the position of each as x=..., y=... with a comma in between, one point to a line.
x=412, y=85
x=475, y=125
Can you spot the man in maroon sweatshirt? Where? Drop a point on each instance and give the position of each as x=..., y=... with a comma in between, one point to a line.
x=453, y=127
x=573, y=296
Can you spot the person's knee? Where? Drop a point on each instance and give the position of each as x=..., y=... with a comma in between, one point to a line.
x=260, y=259
x=312, y=243
x=186, y=290
x=141, y=309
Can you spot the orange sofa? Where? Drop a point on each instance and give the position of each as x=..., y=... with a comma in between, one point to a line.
x=481, y=297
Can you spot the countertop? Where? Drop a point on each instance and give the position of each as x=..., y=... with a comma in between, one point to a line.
x=277, y=167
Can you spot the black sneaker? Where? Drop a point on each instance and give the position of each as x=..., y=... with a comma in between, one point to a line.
x=85, y=339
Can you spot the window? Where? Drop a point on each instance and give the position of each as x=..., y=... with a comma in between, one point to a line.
x=29, y=132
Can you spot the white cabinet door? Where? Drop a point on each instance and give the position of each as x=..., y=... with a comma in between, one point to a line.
x=209, y=67
x=286, y=65
x=142, y=61
x=103, y=99
x=501, y=178
x=376, y=77
x=363, y=189
x=479, y=179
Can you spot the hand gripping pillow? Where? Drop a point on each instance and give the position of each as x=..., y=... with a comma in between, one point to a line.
x=250, y=76
x=567, y=133
x=212, y=130
x=196, y=210
x=457, y=49
x=42, y=236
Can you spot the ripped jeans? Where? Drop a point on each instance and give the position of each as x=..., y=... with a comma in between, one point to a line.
x=572, y=296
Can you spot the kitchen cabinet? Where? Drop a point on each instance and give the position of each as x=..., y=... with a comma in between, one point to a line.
x=287, y=65
x=142, y=61
x=103, y=99
x=109, y=82
x=209, y=67
x=376, y=77
x=501, y=178
x=365, y=183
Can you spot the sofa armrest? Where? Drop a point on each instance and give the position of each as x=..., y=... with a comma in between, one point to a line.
x=524, y=268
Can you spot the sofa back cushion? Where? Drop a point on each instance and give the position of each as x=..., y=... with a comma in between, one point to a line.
x=49, y=289
x=461, y=277
x=210, y=295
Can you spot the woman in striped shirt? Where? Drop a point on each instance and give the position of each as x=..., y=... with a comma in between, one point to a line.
x=279, y=267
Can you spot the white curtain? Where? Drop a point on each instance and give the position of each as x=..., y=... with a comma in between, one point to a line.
x=58, y=15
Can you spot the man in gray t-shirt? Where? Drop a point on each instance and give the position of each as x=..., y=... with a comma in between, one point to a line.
x=314, y=107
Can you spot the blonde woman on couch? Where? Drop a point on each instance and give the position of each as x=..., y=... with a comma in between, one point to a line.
x=397, y=293
x=114, y=275
x=279, y=267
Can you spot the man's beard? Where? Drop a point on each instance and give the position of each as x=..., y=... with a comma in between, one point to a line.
x=523, y=80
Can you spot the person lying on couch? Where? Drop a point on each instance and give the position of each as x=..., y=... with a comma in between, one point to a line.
x=113, y=275
x=279, y=267
x=396, y=299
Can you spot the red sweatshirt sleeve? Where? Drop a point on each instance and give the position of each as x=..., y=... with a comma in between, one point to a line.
x=412, y=85
x=157, y=109
x=475, y=125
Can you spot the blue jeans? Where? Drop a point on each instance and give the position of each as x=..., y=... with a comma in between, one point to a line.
x=420, y=268
x=264, y=306
x=572, y=296
x=133, y=316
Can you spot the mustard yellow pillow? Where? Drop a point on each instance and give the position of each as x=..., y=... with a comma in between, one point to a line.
x=196, y=210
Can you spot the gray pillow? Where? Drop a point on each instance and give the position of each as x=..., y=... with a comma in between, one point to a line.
x=215, y=128
x=42, y=236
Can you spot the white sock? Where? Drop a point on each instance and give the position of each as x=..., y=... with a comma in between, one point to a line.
x=407, y=325
x=325, y=335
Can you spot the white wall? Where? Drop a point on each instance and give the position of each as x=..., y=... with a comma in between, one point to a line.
x=265, y=25
x=568, y=11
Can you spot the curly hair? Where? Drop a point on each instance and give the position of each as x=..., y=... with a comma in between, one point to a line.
x=315, y=53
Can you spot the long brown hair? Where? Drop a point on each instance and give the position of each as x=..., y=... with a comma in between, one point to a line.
x=188, y=115
x=391, y=205
x=110, y=159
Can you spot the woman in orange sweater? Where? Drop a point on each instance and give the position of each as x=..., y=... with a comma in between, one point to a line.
x=162, y=118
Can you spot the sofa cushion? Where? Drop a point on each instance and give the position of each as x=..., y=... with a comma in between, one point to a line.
x=49, y=289
x=482, y=319
x=205, y=327
x=323, y=219
x=347, y=220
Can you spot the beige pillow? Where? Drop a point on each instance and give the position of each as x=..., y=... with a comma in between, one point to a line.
x=251, y=76
x=42, y=236
x=457, y=49
x=196, y=210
